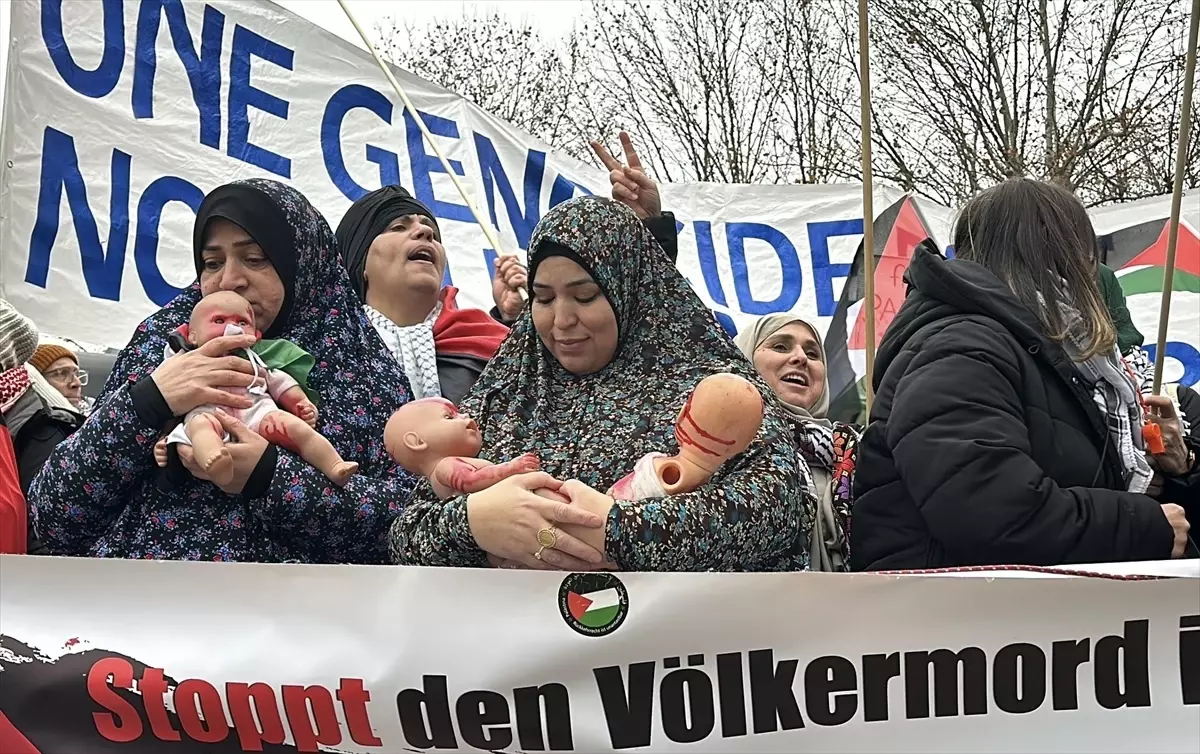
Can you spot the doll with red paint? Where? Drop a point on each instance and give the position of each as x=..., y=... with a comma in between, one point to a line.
x=282, y=412
x=429, y=437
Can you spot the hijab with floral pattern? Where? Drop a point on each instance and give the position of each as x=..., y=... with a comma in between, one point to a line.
x=595, y=427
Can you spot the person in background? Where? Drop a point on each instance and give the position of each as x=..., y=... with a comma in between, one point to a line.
x=392, y=249
x=99, y=493
x=593, y=377
x=1129, y=338
x=788, y=353
x=18, y=340
x=60, y=367
x=1005, y=428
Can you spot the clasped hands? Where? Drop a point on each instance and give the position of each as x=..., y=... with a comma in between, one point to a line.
x=536, y=521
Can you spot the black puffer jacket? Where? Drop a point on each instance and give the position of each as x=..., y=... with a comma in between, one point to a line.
x=985, y=446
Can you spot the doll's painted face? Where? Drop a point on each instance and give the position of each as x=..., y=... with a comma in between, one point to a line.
x=432, y=427
x=217, y=311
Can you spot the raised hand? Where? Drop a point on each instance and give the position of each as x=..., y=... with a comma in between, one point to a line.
x=630, y=184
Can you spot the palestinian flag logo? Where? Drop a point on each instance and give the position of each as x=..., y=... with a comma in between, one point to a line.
x=1139, y=254
x=593, y=604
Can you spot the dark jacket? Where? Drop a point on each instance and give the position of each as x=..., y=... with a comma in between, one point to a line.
x=1185, y=490
x=37, y=429
x=985, y=446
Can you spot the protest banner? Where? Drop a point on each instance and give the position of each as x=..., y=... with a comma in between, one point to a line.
x=119, y=115
x=129, y=656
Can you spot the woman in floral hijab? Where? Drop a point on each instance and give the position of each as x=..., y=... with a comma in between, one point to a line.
x=592, y=378
x=99, y=493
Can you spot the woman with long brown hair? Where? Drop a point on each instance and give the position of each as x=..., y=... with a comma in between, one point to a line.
x=1006, y=428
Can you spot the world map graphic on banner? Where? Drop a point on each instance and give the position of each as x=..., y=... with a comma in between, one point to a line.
x=121, y=114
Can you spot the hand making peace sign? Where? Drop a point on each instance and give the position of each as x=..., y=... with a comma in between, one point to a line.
x=631, y=186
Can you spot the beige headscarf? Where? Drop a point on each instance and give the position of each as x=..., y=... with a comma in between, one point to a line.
x=825, y=549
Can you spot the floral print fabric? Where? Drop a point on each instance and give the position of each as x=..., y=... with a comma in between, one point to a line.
x=755, y=514
x=97, y=495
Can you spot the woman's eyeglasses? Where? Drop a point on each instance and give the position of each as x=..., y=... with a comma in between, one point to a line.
x=66, y=374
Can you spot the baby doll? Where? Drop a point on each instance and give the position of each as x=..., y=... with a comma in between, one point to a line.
x=431, y=438
x=227, y=313
x=720, y=420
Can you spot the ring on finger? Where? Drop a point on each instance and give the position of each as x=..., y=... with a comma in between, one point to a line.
x=547, y=537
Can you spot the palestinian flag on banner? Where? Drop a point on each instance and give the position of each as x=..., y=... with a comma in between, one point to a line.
x=1138, y=255
x=595, y=609
x=898, y=231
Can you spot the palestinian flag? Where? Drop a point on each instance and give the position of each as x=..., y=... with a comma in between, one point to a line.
x=595, y=609
x=898, y=231
x=1138, y=255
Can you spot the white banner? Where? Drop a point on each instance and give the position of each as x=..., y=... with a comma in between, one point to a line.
x=377, y=659
x=119, y=115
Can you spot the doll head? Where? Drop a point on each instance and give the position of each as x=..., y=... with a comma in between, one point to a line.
x=423, y=432
x=218, y=314
x=720, y=420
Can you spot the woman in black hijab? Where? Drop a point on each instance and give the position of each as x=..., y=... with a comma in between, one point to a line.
x=391, y=247
x=98, y=493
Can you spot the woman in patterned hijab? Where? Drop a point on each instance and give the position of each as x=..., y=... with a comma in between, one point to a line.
x=591, y=379
x=98, y=496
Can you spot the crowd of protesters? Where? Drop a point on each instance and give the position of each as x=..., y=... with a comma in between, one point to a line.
x=1012, y=422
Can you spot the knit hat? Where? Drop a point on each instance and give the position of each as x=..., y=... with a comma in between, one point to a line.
x=18, y=337
x=48, y=353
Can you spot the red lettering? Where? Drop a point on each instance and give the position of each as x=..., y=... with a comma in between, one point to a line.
x=354, y=700
x=254, y=732
x=121, y=724
x=208, y=725
x=154, y=688
x=296, y=702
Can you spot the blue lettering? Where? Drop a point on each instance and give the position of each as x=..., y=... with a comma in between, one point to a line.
x=145, y=245
x=60, y=171
x=494, y=178
x=825, y=271
x=1185, y=353
x=708, y=260
x=564, y=189
x=352, y=97
x=789, y=263
x=243, y=96
x=423, y=164
x=203, y=70
x=726, y=323
x=96, y=83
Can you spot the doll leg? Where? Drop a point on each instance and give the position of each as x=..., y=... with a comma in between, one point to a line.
x=291, y=432
x=208, y=444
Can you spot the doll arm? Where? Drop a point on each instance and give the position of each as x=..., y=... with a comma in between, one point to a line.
x=467, y=475
x=295, y=401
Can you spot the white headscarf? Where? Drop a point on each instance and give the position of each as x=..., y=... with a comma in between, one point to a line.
x=814, y=436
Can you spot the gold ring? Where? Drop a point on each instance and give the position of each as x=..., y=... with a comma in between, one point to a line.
x=538, y=554
x=547, y=537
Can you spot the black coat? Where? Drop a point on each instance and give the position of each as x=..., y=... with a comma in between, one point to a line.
x=985, y=446
x=1185, y=490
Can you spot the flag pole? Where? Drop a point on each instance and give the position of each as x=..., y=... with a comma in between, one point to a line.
x=1181, y=150
x=864, y=50
x=492, y=238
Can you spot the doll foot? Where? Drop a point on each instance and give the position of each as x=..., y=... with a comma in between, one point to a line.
x=219, y=468
x=342, y=472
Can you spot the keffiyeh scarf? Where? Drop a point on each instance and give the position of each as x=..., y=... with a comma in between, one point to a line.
x=1117, y=396
x=413, y=348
